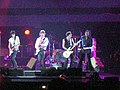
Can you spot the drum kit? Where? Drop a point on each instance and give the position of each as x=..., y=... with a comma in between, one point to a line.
x=53, y=55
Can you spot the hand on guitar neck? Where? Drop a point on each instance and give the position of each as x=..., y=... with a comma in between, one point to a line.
x=75, y=44
x=40, y=46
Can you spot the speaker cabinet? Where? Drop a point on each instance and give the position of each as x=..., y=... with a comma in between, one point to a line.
x=31, y=62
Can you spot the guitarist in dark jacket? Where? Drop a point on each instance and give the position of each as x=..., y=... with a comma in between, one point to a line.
x=66, y=43
x=86, y=42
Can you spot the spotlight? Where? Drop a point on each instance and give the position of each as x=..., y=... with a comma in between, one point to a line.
x=27, y=32
x=44, y=87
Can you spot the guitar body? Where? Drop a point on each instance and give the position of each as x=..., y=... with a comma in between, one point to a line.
x=67, y=53
x=10, y=52
x=16, y=47
x=38, y=50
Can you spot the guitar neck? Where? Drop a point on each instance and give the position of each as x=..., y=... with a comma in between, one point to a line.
x=75, y=45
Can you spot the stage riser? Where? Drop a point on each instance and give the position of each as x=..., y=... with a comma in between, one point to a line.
x=32, y=72
x=43, y=72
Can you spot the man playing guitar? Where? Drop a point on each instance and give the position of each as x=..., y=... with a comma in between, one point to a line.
x=13, y=46
x=68, y=46
x=41, y=46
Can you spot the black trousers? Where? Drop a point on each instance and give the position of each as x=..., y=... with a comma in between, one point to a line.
x=72, y=61
x=82, y=58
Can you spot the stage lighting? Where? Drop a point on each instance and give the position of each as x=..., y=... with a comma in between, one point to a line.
x=44, y=87
x=27, y=32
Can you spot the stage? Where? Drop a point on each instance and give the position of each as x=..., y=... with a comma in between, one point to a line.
x=33, y=79
x=35, y=76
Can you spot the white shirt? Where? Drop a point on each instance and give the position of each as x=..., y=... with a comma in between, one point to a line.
x=14, y=41
x=71, y=42
x=44, y=43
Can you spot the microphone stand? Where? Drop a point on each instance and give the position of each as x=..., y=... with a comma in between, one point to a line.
x=76, y=55
x=53, y=48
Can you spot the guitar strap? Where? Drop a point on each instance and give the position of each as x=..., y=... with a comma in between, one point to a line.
x=41, y=41
x=72, y=42
x=14, y=40
x=14, y=43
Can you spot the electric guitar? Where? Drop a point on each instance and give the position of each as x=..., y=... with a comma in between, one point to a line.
x=15, y=47
x=38, y=50
x=40, y=47
x=69, y=51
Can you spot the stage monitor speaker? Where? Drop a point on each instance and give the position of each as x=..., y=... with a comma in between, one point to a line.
x=31, y=62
